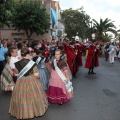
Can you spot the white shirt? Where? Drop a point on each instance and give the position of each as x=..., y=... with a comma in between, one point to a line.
x=19, y=53
x=12, y=61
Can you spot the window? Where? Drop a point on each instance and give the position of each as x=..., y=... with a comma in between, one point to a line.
x=18, y=39
x=13, y=34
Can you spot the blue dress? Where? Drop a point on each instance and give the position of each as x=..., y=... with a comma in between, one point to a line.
x=44, y=75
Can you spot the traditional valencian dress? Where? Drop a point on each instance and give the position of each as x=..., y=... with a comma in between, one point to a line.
x=28, y=96
x=60, y=89
x=6, y=79
x=44, y=75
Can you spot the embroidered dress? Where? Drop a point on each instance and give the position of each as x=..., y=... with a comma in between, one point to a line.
x=44, y=75
x=28, y=97
x=57, y=91
x=6, y=79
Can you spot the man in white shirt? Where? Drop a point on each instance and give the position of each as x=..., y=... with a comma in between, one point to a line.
x=13, y=59
x=112, y=52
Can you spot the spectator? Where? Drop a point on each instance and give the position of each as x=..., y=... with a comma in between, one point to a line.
x=3, y=51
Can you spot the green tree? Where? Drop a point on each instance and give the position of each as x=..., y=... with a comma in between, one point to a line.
x=117, y=35
x=76, y=21
x=5, y=8
x=107, y=37
x=4, y=16
x=103, y=27
x=31, y=17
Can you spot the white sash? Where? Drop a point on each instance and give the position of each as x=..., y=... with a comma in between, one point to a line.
x=38, y=60
x=68, y=84
x=25, y=69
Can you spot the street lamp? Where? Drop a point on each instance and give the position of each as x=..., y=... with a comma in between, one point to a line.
x=73, y=37
x=64, y=35
x=91, y=28
x=93, y=35
x=77, y=37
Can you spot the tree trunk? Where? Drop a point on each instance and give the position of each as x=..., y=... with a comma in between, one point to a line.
x=100, y=37
x=29, y=34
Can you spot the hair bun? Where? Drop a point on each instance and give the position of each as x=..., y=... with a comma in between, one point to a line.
x=24, y=51
x=22, y=54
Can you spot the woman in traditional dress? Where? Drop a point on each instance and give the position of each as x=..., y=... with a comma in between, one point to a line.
x=6, y=78
x=28, y=96
x=44, y=75
x=41, y=61
x=60, y=89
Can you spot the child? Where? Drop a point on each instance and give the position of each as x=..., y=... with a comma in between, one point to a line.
x=13, y=59
x=60, y=89
x=28, y=97
x=44, y=75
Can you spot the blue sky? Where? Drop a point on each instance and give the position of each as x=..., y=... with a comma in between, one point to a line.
x=96, y=8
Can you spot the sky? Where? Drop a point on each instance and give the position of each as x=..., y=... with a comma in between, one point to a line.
x=96, y=9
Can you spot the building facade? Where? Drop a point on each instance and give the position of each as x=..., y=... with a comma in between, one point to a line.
x=56, y=30
x=10, y=33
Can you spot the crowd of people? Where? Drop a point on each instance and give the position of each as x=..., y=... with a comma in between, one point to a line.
x=39, y=73
x=112, y=51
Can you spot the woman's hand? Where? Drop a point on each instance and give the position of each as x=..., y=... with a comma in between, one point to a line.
x=37, y=75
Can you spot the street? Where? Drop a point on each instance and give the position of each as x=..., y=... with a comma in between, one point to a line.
x=96, y=97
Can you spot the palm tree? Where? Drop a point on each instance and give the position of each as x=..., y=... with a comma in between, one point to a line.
x=117, y=35
x=103, y=27
x=107, y=37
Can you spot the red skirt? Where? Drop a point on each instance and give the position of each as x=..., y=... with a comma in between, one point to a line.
x=56, y=95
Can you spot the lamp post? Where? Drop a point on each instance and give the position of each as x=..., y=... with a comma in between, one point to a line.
x=73, y=37
x=91, y=29
x=77, y=37
x=92, y=34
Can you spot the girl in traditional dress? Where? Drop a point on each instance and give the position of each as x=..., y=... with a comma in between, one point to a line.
x=41, y=61
x=38, y=54
x=6, y=78
x=60, y=89
x=28, y=96
x=44, y=75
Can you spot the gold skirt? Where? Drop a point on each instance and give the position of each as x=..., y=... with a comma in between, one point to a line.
x=28, y=98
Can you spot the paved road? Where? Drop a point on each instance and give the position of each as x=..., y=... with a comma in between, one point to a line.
x=96, y=97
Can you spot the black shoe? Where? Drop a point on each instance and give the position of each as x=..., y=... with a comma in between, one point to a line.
x=74, y=75
x=89, y=73
x=93, y=73
x=60, y=104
